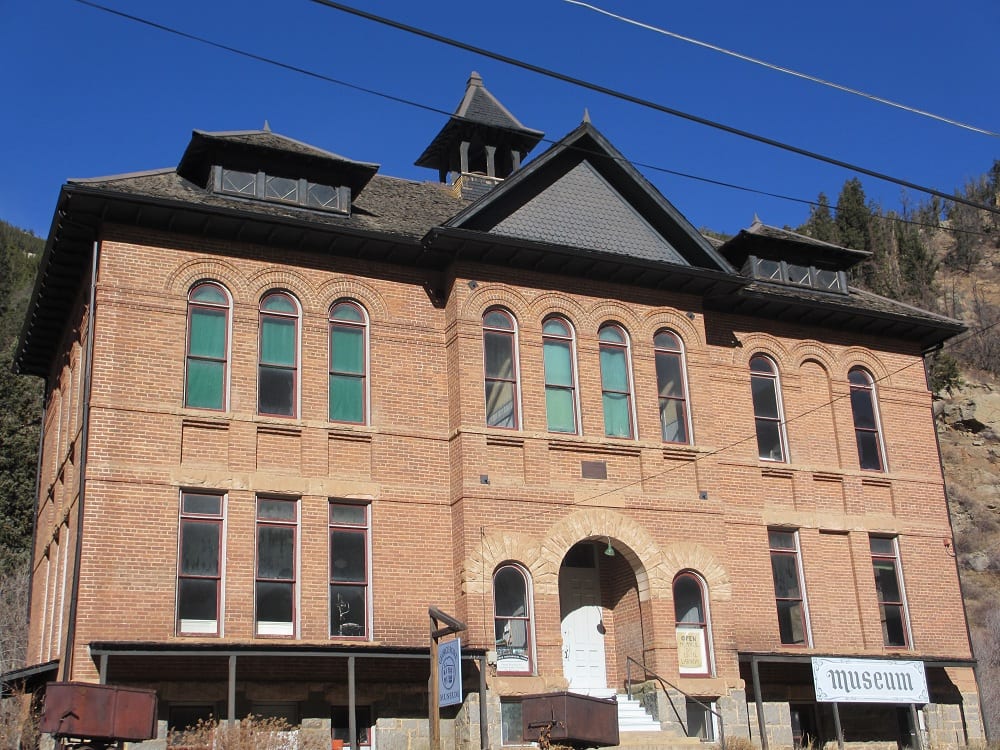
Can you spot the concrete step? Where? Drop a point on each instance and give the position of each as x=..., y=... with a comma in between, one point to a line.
x=632, y=717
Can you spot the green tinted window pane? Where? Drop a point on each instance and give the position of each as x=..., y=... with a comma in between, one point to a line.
x=558, y=363
x=559, y=410
x=204, y=384
x=617, y=422
x=666, y=340
x=555, y=327
x=347, y=312
x=497, y=319
x=209, y=293
x=611, y=334
x=881, y=545
x=346, y=398
x=277, y=341
x=208, y=333
x=347, y=349
x=614, y=375
x=279, y=303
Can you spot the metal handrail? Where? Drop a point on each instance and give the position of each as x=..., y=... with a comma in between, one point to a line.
x=664, y=683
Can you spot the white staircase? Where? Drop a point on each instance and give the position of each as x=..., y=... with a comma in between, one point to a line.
x=632, y=717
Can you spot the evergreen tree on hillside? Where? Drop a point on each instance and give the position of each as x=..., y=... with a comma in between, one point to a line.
x=821, y=225
x=853, y=216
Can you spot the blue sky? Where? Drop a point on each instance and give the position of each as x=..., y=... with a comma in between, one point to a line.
x=92, y=94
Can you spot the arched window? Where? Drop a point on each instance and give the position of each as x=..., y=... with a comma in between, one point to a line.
x=278, y=364
x=867, y=430
x=767, y=412
x=207, y=347
x=671, y=382
x=512, y=619
x=559, y=355
x=691, y=624
x=616, y=381
x=500, y=368
x=348, y=363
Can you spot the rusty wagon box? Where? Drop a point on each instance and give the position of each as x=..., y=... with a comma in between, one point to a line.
x=107, y=712
x=578, y=720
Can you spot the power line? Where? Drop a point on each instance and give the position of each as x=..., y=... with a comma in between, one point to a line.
x=548, y=72
x=439, y=111
x=782, y=69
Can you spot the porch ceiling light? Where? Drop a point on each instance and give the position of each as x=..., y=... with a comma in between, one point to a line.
x=610, y=551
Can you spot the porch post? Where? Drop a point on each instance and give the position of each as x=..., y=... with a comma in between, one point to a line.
x=755, y=671
x=484, y=730
x=103, y=678
x=837, y=725
x=916, y=726
x=231, y=709
x=352, y=723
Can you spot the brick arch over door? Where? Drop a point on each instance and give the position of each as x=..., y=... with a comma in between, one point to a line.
x=629, y=539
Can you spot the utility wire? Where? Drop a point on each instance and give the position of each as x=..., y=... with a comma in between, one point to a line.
x=782, y=69
x=548, y=72
x=446, y=113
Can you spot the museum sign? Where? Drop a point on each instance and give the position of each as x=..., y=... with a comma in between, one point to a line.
x=869, y=681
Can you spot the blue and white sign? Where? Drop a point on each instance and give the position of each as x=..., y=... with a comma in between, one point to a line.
x=869, y=681
x=450, y=673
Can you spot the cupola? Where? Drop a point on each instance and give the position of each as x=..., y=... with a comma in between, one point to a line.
x=481, y=144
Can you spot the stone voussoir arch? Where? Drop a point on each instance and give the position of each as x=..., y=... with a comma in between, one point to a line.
x=633, y=542
x=689, y=556
x=367, y=296
x=189, y=273
x=496, y=548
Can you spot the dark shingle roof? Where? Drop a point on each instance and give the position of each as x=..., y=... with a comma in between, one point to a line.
x=783, y=244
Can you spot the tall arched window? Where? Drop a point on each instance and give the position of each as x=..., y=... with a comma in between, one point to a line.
x=512, y=619
x=500, y=368
x=767, y=411
x=671, y=382
x=867, y=430
x=348, y=363
x=558, y=352
x=691, y=625
x=207, y=346
x=278, y=363
x=616, y=381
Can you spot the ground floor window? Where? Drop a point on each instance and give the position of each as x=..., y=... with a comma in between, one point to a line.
x=341, y=725
x=700, y=719
x=512, y=730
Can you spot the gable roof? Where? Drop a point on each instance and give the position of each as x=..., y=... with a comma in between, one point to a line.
x=583, y=193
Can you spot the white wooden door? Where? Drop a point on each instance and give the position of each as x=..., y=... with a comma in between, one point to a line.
x=582, y=630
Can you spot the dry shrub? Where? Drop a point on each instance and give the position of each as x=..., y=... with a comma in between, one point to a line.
x=250, y=733
x=739, y=743
x=18, y=722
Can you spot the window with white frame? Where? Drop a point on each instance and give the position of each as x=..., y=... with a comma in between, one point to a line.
x=500, y=369
x=512, y=619
x=349, y=580
x=889, y=589
x=789, y=595
x=616, y=381
x=768, y=415
x=867, y=430
x=278, y=358
x=275, y=591
x=671, y=383
x=199, y=563
x=691, y=626
x=559, y=358
x=206, y=372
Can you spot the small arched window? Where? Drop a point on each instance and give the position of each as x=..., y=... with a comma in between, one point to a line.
x=867, y=430
x=207, y=370
x=278, y=362
x=348, y=363
x=768, y=415
x=512, y=619
x=616, y=381
x=500, y=368
x=559, y=355
x=692, y=626
x=671, y=382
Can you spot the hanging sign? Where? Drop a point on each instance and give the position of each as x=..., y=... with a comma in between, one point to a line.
x=869, y=681
x=450, y=672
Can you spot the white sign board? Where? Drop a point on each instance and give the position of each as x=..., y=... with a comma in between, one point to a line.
x=869, y=681
x=450, y=673
x=692, y=658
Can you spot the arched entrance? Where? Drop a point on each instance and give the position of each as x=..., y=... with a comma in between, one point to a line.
x=599, y=617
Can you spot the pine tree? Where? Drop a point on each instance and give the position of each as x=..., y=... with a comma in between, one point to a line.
x=853, y=216
x=821, y=225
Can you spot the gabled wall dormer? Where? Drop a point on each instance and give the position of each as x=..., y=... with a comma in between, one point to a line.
x=480, y=145
x=261, y=165
x=781, y=256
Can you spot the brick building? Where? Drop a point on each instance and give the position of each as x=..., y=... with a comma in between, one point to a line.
x=291, y=403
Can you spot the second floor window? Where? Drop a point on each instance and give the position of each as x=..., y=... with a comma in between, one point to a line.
x=889, y=589
x=670, y=382
x=768, y=417
x=616, y=381
x=199, y=564
x=348, y=363
x=788, y=593
x=207, y=347
x=277, y=371
x=348, y=570
x=274, y=590
x=500, y=369
x=866, y=424
x=560, y=375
